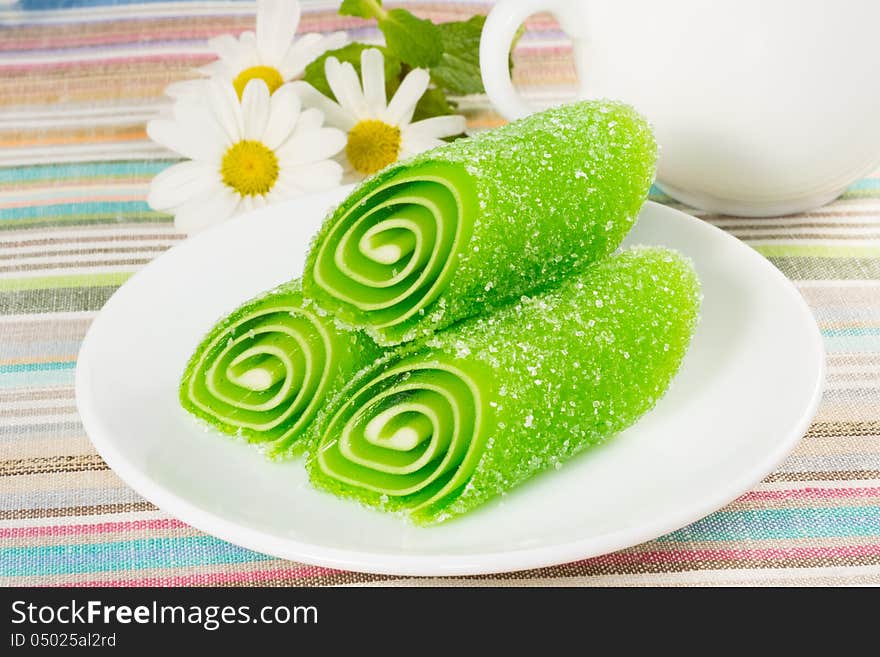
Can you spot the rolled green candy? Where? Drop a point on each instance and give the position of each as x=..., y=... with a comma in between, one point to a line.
x=438, y=429
x=463, y=228
x=265, y=370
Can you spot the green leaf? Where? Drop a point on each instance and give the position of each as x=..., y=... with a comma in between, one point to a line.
x=413, y=40
x=433, y=103
x=459, y=69
x=314, y=73
x=362, y=8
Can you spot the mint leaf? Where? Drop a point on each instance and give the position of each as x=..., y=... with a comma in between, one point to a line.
x=459, y=69
x=314, y=73
x=433, y=103
x=413, y=40
x=362, y=8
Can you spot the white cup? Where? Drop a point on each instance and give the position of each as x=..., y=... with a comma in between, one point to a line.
x=761, y=107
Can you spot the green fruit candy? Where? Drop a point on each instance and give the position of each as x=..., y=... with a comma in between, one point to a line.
x=265, y=370
x=438, y=429
x=470, y=226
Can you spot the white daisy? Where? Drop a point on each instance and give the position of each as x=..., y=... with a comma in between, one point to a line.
x=241, y=155
x=271, y=55
x=379, y=132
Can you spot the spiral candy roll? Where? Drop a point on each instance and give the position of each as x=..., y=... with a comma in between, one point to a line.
x=467, y=227
x=437, y=429
x=264, y=371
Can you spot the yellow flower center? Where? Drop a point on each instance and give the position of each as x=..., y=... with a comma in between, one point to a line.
x=372, y=145
x=267, y=74
x=250, y=168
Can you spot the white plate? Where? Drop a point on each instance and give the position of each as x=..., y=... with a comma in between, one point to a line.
x=746, y=393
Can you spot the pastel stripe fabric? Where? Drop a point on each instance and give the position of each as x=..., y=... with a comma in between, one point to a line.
x=77, y=82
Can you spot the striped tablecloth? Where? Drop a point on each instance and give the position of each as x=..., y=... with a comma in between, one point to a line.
x=78, y=79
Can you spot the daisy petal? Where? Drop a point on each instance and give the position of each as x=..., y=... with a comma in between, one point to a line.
x=307, y=48
x=373, y=77
x=246, y=204
x=224, y=104
x=309, y=120
x=284, y=116
x=254, y=109
x=437, y=127
x=413, y=145
x=309, y=147
x=277, y=21
x=283, y=190
x=349, y=173
x=334, y=40
x=218, y=69
x=191, y=113
x=352, y=177
x=185, y=88
x=343, y=80
x=315, y=177
x=250, y=53
x=295, y=59
x=215, y=206
x=227, y=48
x=400, y=109
x=194, y=145
x=180, y=183
x=334, y=115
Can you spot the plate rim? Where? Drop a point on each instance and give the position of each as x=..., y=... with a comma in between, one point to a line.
x=438, y=565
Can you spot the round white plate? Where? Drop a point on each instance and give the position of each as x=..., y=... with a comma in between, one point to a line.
x=744, y=396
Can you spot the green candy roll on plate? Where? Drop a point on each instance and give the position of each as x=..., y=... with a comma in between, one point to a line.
x=437, y=429
x=467, y=227
x=263, y=372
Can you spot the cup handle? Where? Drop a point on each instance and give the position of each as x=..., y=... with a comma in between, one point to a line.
x=497, y=39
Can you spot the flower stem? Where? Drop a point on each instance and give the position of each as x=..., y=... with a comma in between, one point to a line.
x=375, y=9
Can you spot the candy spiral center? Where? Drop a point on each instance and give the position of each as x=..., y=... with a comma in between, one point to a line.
x=414, y=433
x=264, y=374
x=391, y=253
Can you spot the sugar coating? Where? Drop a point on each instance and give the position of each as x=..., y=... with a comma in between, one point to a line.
x=277, y=327
x=553, y=193
x=558, y=372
